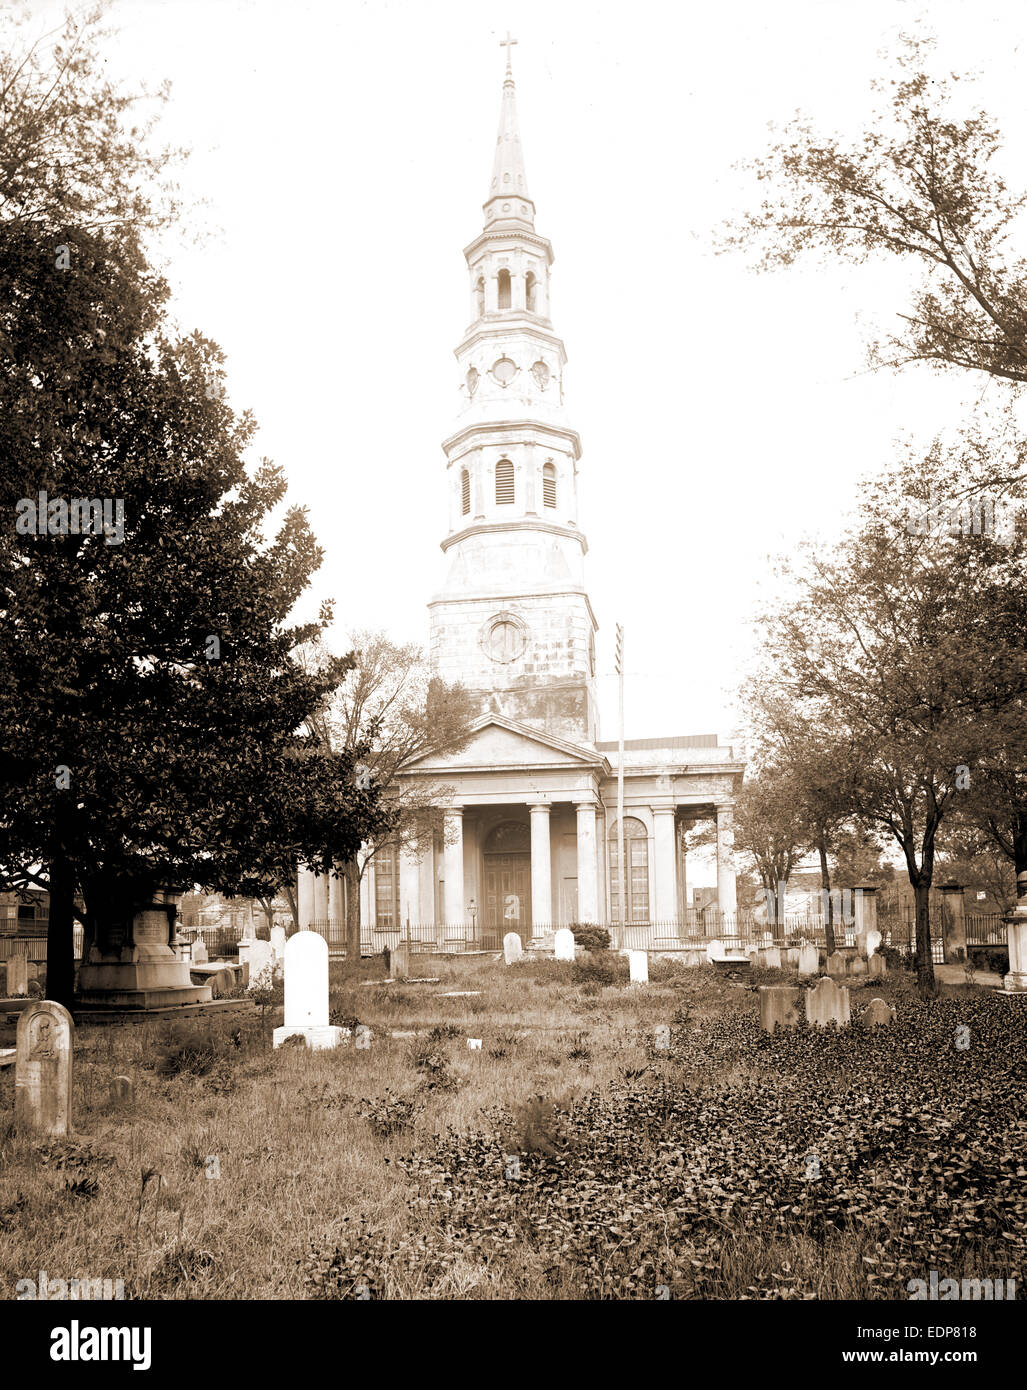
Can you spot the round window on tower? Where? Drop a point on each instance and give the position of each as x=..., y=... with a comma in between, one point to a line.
x=504, y=370
x=504, y=637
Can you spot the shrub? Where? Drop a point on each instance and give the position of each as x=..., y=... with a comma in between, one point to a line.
x=602, y=968
x=590, y=937
x=187, y=1050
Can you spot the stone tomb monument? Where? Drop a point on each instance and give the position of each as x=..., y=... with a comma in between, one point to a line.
x=42, y=1070
x=827, y=1003
x=512, y=948
x=306, y=993
x=563, y=944
x=132, y=964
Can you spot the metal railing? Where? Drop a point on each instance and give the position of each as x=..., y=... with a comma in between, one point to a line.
x=35, y=946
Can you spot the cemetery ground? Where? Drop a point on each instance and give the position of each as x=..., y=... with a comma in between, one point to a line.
x=607, y=1140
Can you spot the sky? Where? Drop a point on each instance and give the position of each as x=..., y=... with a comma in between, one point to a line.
x=340, y=155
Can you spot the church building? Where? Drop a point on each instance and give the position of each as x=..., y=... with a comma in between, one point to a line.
x=531, y=839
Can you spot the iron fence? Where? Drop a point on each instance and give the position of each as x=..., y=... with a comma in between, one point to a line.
x=35, y=946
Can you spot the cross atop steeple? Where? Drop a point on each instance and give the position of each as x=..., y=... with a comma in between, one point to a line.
x=508, y=44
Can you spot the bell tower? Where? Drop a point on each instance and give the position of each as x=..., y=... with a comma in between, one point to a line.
x=512, y=619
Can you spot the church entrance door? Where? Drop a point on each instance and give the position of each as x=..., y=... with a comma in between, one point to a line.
x=508, y=895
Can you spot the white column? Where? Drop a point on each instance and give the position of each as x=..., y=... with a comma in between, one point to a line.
x=491, y=290
x=305, y=896
x=588, y=868
x=456, y=909
x=727, y=900
x=541, y=871
x=518, y=289
x=335, y=901
x=320, y=897
x=665, y=855
x=409, y=888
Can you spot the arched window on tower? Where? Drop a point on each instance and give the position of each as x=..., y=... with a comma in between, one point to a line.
x=504, y=289
x=549, y=484
x=465, y=491
x=479, y=296
x=636, y=852
x=530, y=287
x=504, y=483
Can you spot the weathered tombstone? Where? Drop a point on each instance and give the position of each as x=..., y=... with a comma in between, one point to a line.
x=827, y=1003
x=512, y=948
x=836, y=963
x=122, y=1090
x=17, y=977
x=809, y=959
x=257, y=956
x=200, y=956
x=398, y=962
x=42, y=1070
x=790, y=958
x=714, y=951
x=780, y=1007
x=278, y=942
x=306, y=993
x=222, y=984
x=876, y=967
x=249, y=931
x=772, y=958
x=563, y=944
x=857, y=965
x=879, y=1014
x=638, y=967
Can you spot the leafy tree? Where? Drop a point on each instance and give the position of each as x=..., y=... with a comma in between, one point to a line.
x=892, y=644
x=771, y=828
x=920, y=184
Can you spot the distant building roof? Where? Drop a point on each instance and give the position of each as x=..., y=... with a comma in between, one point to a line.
x=682, y=741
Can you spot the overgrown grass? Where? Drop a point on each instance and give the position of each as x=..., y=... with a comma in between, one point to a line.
x=606, y=1141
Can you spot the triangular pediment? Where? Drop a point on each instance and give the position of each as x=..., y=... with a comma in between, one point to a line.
x=500, y=742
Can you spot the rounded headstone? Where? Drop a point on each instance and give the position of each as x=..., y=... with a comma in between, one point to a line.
x=42, y=1070
x=563, y=944
x=306, y=980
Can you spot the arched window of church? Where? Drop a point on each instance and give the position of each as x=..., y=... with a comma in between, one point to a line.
x=465, y=491
x=636, y=852
x=386, y=886
x=530, y=289
x=504, y=289
x=549, y=485
x=479, y=296
x=504, y=483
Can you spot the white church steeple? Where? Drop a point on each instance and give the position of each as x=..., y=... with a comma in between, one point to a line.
x=513, y=619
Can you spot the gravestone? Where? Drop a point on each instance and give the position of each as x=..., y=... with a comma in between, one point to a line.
x=512, y=948
x=836, y=963
x=876, y=967
x=42, y=1070
x=122, y=1091
x=780, y=1007
x=771, y=958
x=249, y=931
x=563, y=944
x=222, y=984
x=278, y=942
x=809, y=959
x=199, y=955
x=827, y=1003
x=398, y=962
x=257, y=956
x=306, y=993
x=17, y=977
x=878, y=1014
x=790, y=958
x=857, y=965
x=638, y=967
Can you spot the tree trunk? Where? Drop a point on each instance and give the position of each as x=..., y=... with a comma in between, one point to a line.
x=351, y=877
x=925, y=981
x=1020, y=845
x=825, y=885
x=60, y=932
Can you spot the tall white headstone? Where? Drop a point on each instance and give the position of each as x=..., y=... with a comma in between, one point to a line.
x=306, y=993
x=17, y=976
x=42, y=1070
x=512, y=948
x=809, y=959
x=278, y=942
x=638, y=967
x=563, y=944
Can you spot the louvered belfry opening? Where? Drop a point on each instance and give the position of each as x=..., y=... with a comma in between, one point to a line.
x=504, y=483
x=465, y=491
x=549, y=485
